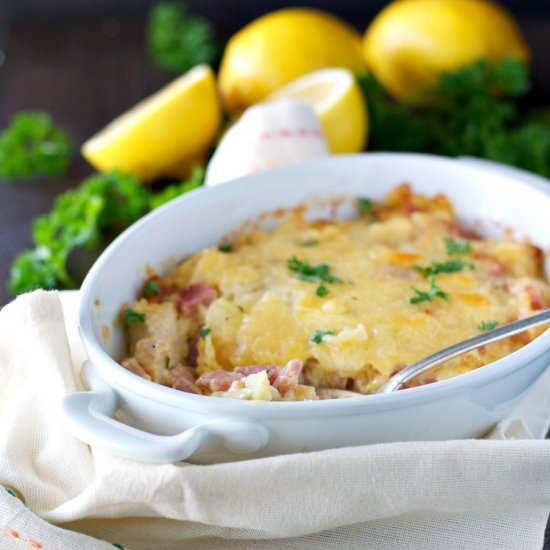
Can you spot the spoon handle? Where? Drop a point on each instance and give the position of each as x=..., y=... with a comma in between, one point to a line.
x=406, y=374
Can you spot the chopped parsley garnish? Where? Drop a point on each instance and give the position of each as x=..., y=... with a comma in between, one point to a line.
x=309, y=242
x=240, y=308
x=151, y=288
x=313, y=274
x=318, y=336
x=431, y=294
x=457, y=247
x=204, y=332
x=132, y=316
x=487, y=325
x=365, y=205
x=225, y=247
x=451, y=266
x=167, y=363
x=321, y=290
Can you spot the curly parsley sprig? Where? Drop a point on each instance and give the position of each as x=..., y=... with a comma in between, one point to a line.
x=82, y=217
x=33, y=146
x=318, y=337
x=433, y=291
x=457, y=247
x=450, y=266
x=313, y=274
x=471, y=111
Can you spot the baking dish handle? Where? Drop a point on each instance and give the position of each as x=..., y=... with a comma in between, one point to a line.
x=89, y=416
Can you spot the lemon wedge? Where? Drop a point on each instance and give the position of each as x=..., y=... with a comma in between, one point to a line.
x=163, y=132
x=338, y=102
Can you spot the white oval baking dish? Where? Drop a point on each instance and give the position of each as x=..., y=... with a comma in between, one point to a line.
x=161, y=424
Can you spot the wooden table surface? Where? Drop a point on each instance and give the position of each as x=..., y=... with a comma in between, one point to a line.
x=85, y=68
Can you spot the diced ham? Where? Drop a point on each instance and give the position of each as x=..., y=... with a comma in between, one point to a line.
x=132, y=364
x=409, y=208
x=522, y=338
x=182, y=379
x=192, y=350
x=288, y=378
x=535, y=295
x=196, y=295
x=219, y=380
x=273, y=371
x=397, y=368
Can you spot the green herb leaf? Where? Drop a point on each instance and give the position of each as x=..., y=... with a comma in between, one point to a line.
x=321, y=290
x=457, y=247
x=451, y=266
x=86, y=216
x=195, y=180
x=33, y=146
x=178, y=41
x=132, y=316
x=313, y=274
x=487, y=325
x=151, y=288
x=167, y=363
x=225, y=247
x=318, y=336
x=470, y=111
x=309, y=242
x=204, y=332
x=365, y=205
x=431, y=294
x=80, y=218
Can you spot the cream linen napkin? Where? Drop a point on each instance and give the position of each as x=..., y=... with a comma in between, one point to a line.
x=456, y=494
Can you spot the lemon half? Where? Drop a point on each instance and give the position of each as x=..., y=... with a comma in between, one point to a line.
x=338, y=102
x=163, y=132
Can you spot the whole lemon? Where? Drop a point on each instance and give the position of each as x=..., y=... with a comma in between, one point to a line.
x=281, y=46
x=411, y=42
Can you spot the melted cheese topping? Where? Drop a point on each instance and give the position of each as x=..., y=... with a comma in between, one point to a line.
x=267, y=314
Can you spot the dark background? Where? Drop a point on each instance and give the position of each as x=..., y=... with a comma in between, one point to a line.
x=85, y=62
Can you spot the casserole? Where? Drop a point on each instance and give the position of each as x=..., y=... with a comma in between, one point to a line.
x=163, y=424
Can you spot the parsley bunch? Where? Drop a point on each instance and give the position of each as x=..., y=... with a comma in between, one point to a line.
x=103, y=205
x=33, y=146
x=470, y=111
x=178, y=41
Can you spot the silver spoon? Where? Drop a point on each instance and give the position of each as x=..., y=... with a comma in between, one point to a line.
x=408, y=373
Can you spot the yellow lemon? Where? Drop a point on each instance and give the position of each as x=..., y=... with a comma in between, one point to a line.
x=338, y=102
x=411, y=42
x=162, y=133
x=281, y=46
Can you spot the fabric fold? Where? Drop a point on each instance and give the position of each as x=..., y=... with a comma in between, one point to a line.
x=406, y=495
